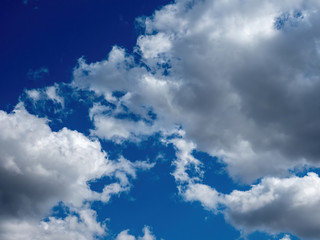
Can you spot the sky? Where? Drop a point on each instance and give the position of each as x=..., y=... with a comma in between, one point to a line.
x=159, y=120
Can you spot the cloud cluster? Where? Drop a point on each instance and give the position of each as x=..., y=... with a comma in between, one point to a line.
x=274, y=205
x=241, y=80
x=40, y=168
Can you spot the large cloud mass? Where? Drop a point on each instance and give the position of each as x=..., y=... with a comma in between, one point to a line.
x=40, y=168
x=241, y=78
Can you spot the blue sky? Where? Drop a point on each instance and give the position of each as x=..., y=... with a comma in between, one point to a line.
x=151, y=120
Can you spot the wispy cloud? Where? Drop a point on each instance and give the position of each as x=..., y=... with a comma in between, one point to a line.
x=37, y=73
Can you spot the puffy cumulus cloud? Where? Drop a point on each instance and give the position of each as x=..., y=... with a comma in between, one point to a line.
x=124, y=235
x=73, y=227
x=36, y=164
x=147, y=235
x=275, y=205
x=40, y=167
x=240, y=77
x=278, y=205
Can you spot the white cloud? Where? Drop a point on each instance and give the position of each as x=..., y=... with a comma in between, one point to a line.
x=33, y=94
x=36, y=164
x=123, y=169
x=147, y=235
x=40, y=168
x=47, y=93
x=185, y=161
x=275, y=205
x=152, y=46
x=124, y=235
x=188, y=175
x=108, y=126
x=286, y=237
x=73, y=227
x=278, y=205
x=52, y=94
x=208, y=196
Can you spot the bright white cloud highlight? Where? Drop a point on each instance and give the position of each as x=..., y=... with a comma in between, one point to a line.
x=208, y=196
